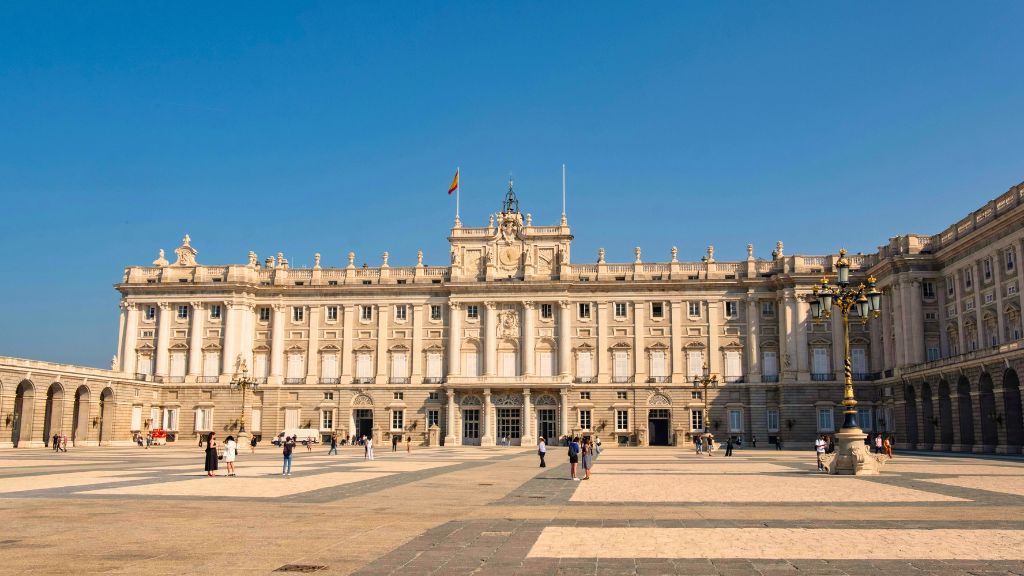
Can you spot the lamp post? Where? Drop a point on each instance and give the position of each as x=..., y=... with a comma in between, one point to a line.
x=705, y=379
x=243, y=383
x=867, y=301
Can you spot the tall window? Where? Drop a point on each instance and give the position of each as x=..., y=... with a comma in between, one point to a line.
x=584, y=310
x=177, y=364
x=768, y=309
x=731, y=309
x=585, y=419
x=150, y=313
x=211, y=363
x=773, y=420
x=621, y=420
x=735, y=421
x=327, y=419
x=397, y=420
x=136, y=423
x=364, y=365
x=546, y=311
x=471, y=363
x=400, y=312
x=928, y=290
x=472, y=311
x=144, y=364
x=864, y=418
x=399, y=365
x=366, y=312
x=770, y=363
x=733, y=367
x=435, y=312
x=264, y=314
x=696, y=419
x=171, y=419
x=986, y=267
x=620, y=365
x=260, y=366
x=657, y=309
x=968, y=277
x=507, y=362
x=204, y=419
x=694, y=363
x=658, y=364
x=825, y=423
x=620, y=309
x=329, y=365
x=332, y=313
x=295, y=369
x=585, y=364
x=433, y=365
x=1011, y=259
x=507, y=420
x=820, y=361
x=433, y=418
x=859, y=360
x=693, y=308
x=546, y=363
x=215, y=311
x=298, y=313
x=182, y=312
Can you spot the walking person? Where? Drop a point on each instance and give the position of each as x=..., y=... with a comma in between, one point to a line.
x=230, y=452
x=64, y=443
x=574, y=456
x=778, y=442
x=395, y=439
x=211, y=454
x=698, y=444
x=588, y=458
x=252, y=444
x=408, y=444
x=286, y=450
x=334, y=444
x=542, y=450
x=753, y=441
x=878, y=443
x=887, y=445
x=728, y=446
x=819, y=449
x=369, y=447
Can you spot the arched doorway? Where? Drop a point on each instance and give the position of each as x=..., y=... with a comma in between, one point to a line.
x=80, y=416
x=987, y=402
x=927, y=416
x=53, y=423
x=1011, y=401
x=945, y=415
x=911, y=412
x=106, y=423
x=965, y=410
x=21, y=418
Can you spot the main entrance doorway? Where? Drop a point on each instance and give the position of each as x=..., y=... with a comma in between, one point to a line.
x=546, y=424
x=658, y=425
x=471, y=427
x=508, y=422
x=364, y=423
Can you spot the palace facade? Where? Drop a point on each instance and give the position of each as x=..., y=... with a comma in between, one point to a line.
x=513, y=338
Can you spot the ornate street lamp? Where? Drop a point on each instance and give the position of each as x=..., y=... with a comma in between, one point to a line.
x=243, y=383
x=705, y=379
x=867, y=300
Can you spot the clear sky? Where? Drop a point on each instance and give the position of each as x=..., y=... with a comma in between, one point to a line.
x=334, y=127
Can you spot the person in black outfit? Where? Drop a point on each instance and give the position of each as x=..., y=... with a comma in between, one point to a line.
x=211, y=455
x=728, y=447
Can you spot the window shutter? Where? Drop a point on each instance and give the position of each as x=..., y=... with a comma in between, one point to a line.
x=399, y=365
x=820, y=360
x=211, y=366
x=433, y=365
x=695, y=363
x=178, y=364
x=585, y=365
x=658, y=363
x=858, y=360
x=144, y=365
x=295, y=365
x=770, y=365
x=329, y=365
x=136, y=418
x=508, y=363
x=260, y=366
x=363, y=365
x=472, y=364
x=733, y=369
x=621, y=366
x=546, y=363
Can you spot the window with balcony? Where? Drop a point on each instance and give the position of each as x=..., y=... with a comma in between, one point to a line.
x=620, y=366
x=295, y=372
x=364, y=368
x=733, y=366
x=770, y=366
x=659, y=366
x=211, y=364
x=585, y=366
x=968, y=277
x=820, y=364
x=694, y=364
x=399, y=367
x=329, y=368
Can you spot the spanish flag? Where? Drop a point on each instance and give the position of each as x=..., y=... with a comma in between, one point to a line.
x=455, y=183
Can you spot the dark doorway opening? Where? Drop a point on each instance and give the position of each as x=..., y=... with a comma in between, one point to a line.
x=658, y=420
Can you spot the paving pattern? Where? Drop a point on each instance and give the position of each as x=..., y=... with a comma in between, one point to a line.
x=471, y=510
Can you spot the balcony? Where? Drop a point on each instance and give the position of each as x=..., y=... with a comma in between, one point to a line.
x=398, y=380
x=659, y=379
x=433, y=380
x=732, y=379
x=585, y=380
x=622, y=379
x=822, y=376
x=208, y=379
x=330, y=380
x=294, y=380
x=363, y=380
x=141, y=376
x=176, y=379
x=865, y=376
x=261, y=380
x=769, y=378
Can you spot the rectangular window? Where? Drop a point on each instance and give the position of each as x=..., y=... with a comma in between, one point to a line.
x=659, y=368
x=150, y=313
x=584, y=310
x=327, y=419
x=435, y=312
x=864, y=418
x=950, y=288
x=825, y=420
x=1011, y=259
x=968, y=277
x=546, y=311
x=291, y=418
x=399, y=365
x=182, y=312
x=928, y=290
x=859, y=360
x=298, y=313
x=471, y=361
x=620, y=365
x=621, y=420
x=696, y=419
x=693, y=309
x=398, y=395
x=144, y=364
x=820, y=363
x=507, y=420
x=177, y=364
x=136, y=424
x=694, y=363
x=584, y=395
x=398, y=420
x=768, y=309
x=329, y=366
x=264, y=314
x=733, y=366
x=585, y=419
x=546, y=363
x=696, y=395
x=328, y=395
x=261, y=368
x=585, y=365
x=433, y=365
x=400, y=312
x=773, y=420
x=621, y=395
x=731, y=309
x=433, y=418
x=986, y=267
x=332, y=313
x=366, y=312
x=620, y=309
x=295, y=369
x=171, y=419
x=507, y=363
x=204, y=419
x=472, y=311
x=215, y=311
x=932, y=353
x=770, y=363
x=433, y=396
x=657, y=309
x=211, y=364
x=735, y=421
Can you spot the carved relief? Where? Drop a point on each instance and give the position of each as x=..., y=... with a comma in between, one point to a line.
x=362, y=400
x=659, y=400
x=508, y=324
x=507, y=400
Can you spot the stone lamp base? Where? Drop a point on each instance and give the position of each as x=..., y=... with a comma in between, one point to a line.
x=852, y=457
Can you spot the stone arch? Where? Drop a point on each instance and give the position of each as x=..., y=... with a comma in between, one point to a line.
x=80, y=415
x=965, y=410
x=987, y=404
x=546, y=400
x=945, y=415
x=658, y=399
x=53, y=422
x=21, y=418
x=106, y=416
x=471, y=400
x=362, y=400
x=911, y=414
x=1013, y=409
x=927, y=416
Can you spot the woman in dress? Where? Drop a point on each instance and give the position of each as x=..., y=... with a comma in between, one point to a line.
x=230, y=451
x=887, y=445
x=211, y=454
x=588, y=458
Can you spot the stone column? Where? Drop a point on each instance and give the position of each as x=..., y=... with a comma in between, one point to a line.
x=121, y=333
x=277, y=344
x=131, y=336
x=313, y=352
x=787, y=337
x=875, y=333
x=564, y=338
x=487, y=438
x=416, y=366
x=564, y=424
x=163, y=339
x=677, y=342
x=753, y=337
x=528, y=348
x=888, y=345
x=348, y=319
x=979, y=320
x=526, y=434
x=232, y=313
x=449, y=424
x=714, y=358
x=382, y=344
x=899, y=339
x=916, y=323
x=454, y=338
x=943, y=319
x=958, y=294
x=639, y=342
x=247, y=327
x=601, y=354
x=997, y=272
x=802, y=353
x=195, y=342
x=490, y=339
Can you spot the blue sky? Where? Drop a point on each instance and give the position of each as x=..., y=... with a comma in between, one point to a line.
x=335, y=127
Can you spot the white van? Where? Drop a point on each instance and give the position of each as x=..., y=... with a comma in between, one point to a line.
x=300, y=435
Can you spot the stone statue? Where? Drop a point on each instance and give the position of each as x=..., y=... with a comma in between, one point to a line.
x=490, y=221
x=113, y=362
x=160, y=261
x=270, y=262
x=455, y=256
x=600, y=255
x=675, y=254
x=316, y=261
x=254, y=262
x=351, y=259
x=529, y=219
x=186, y=253
x=711, y=254
x=384, y=258
x=750, y=251
x=778, y=249
x=419, y=257
x=636, y=252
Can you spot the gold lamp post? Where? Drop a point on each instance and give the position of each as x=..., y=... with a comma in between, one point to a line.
x=707, y=380
x=867, y=301
x=243, y=383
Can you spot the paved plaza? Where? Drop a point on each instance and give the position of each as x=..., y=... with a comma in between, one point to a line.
x=472, y=510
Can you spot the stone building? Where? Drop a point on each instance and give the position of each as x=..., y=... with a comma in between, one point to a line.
x=511, y=338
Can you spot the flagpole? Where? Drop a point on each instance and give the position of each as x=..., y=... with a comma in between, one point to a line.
x=458, y=189
x=564, y=222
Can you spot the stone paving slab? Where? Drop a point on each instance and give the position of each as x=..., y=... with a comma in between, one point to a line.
x=242, y=487
x=1003, y=485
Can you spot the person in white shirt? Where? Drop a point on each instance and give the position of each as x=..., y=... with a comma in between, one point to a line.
x=230, y=451
x=878, y=444
x=542, y=450
x=819, y=448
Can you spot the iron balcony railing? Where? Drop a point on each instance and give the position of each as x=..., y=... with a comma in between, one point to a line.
x=294, y=380
x=208, y=379
x=822, y=376
x=399, y=380
x=330, y=380
x=433, y=380
x=769, y=378
x=363, y=380
x=622, y=379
